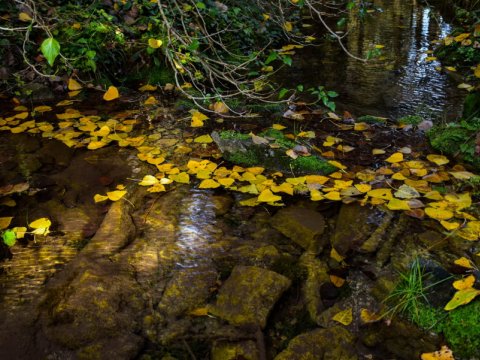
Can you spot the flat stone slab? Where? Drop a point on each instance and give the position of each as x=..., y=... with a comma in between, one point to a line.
x=303, y=226
x=248, y=295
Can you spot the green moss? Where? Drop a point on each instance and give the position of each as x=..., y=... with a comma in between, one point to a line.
x=233, y=135
x=410, y=120
x=279, y=138
x=369, y=119
x=462, y=330
x=312, y=164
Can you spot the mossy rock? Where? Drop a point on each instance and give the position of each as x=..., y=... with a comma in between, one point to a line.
x=248, y=295
x=332, y=343
x=239, y=149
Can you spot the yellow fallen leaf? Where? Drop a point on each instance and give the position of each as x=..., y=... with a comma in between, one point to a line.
x=438, y=159
x=461, y=37
x=199, y=312
x=203, y=139
x=336, y=256
x=267, y=196
x=465, y=283
x=5, y=222
x=278, y=127
x=438, y=214
x=368, y=317
x=462, y=297
x=41, y=226
x=462, y=175
x=74, y=85
x=378, y=152
x=151, y=101
x=396, y=204
x=93, y=145
x=111, y=94
x=316, y=195
x=23, y=16
x=450, y=225
x=316, y=179
x=443, y=354
x=361, y=126
x=42, y=108
x=395, y=158
x=288, y=26
x=284, y=187
x=464, y=262
x=116, y=195
x=182, y=178
x=333, y=195
x=344, y=317
x=208, y=184
x=337, y=164
x=147, y=87
x=220, y=107
x=382, y=193
x=148, y=180
x=98, y=198
x=226, y=182
x=476, y=72
x=337, y=281
x=249, y=202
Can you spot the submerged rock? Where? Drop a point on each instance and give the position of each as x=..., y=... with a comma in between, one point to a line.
x=303, y=226
x=246, y=350
x=248, y=295
x=332, y=343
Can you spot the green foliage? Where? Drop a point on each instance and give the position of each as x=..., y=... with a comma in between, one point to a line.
x=233, y=135
x=462, y=330
x=9, y=237
x=410, y=120
x=324, y=96
x=50, y=49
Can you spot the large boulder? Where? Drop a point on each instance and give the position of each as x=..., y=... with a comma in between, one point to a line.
x=303, y=226
x=248, y=295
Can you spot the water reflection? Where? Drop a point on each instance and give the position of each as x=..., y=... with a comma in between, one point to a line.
x=401, y=84
x=195, y=229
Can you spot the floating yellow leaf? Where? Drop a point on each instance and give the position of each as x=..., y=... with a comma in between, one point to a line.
x=148, y=180
x=395, y=158
x=249, y=202
x=465, y=283
x=204, y=139
x=93, y=145
x=443, y=354
x=226, y=182
x=378, y=152
x=462, y=175
x=383, y=193
x=116, y=195
x=333, y=195
x=344, y=317
x=337, y=164
x=361, y=126
x=41, y=226
x=98, y=198
x=337, y=281
x=74, y=85
x=208, y=184
x=396, y=204
x=398, y=176
x=438, y=159
x=470, y=232
x=316, y=179
x=316, y=195
x=284, y=187
x=462, y=297
x=438, y=214
x=182, y=178
x=267, y=196
x=461, y=37
x=5, y=222
x=450, y=225
x=111, y=94
x=154, y=43
x=406, y=192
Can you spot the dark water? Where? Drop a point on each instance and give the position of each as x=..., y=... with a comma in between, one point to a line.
x=398, y=83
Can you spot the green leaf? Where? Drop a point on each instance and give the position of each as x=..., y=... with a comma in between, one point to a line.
x=332, y=94
x=287, y=60
x=201, y=5
x=282, y=93
x=50, y=49
x=9, y=237
x=271, y=57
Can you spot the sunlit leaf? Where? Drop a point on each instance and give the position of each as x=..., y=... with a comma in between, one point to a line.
x=93, y=145
x=462, y=297
x=116, y=195
x=465, y=283
x=41, y=226
x=50, y=48
x=396, y=204
x=154, y=43
x=406, y=192
x=209, y=184
x=148, y=180
x=267, y=196
x=182, y=178
x=344, y=317
x=278, y=127
x=203, y=139
x=464, y=262
x=450, y=225
x=333, y=195
x=111, y=94
x=438, y=214
x=74, y=85
x=438, y=159
x=395, y=158
x=383, y=193
x=443, y=354
x=9, y=237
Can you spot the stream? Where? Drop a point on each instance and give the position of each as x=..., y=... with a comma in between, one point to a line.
x=189, y=273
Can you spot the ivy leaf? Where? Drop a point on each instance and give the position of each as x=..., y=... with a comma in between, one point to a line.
x=50, y=49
